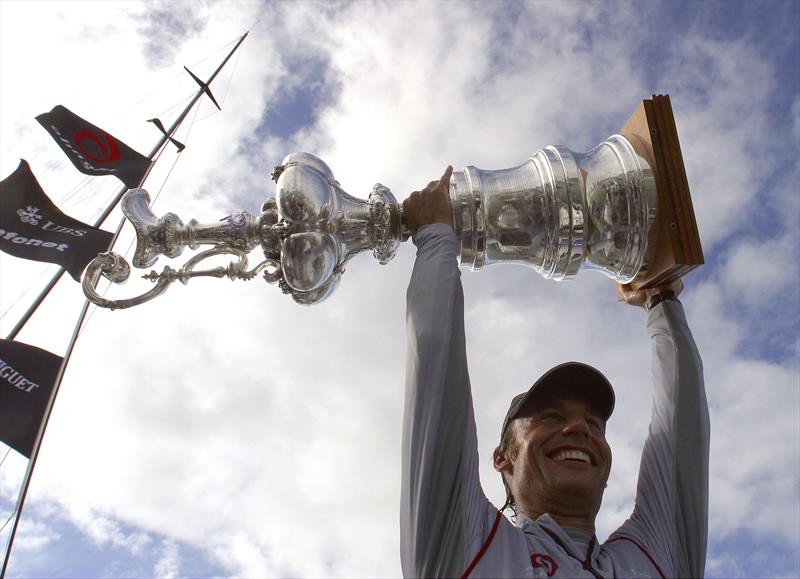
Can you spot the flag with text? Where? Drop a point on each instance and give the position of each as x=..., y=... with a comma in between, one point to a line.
x=27, y=376
x=32, y=227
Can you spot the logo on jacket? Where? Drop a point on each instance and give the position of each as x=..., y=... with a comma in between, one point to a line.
x=544, y=561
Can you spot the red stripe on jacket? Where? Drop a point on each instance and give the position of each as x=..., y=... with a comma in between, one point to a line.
x=484, y=548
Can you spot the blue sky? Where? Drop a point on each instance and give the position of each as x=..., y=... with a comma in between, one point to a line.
x=225, y=431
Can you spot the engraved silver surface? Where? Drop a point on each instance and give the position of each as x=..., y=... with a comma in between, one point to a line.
x=557, y=211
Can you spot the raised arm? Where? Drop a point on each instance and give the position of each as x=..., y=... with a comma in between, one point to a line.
x=671, y=512
x=440, y=484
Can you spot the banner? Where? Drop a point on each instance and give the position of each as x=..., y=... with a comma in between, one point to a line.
x=32, y=227
x=27, y=376
x=92, y=150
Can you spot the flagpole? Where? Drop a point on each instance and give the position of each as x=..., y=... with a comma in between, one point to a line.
x=76, y=331
x=120, y=192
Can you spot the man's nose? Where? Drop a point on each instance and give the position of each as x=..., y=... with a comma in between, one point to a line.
x=576, y=426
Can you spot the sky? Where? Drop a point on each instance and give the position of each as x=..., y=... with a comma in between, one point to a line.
x=223, y=430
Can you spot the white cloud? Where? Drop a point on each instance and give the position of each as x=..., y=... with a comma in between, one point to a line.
x=225, y=417
x=34, y=536
x=169, y=565
x=105, y=530
x=759, y=271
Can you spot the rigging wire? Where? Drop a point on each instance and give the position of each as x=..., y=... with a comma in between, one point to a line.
x=183, y=74
x=14, y=510
x=227, y=86
x=89, y=192
x=255, y=23
x=55, y=164
x=82, y=184
x=8, y=520
x=25, y=292
x=174, y=106
x=168, y=79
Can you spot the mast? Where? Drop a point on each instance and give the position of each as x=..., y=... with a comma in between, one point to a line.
x=204, y=89
x=121, y=191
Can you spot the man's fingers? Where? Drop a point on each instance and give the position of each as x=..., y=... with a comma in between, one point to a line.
x=445, y=180
x=626, y=293
x=677, y=286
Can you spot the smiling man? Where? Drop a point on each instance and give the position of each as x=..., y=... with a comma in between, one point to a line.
x=553, y=455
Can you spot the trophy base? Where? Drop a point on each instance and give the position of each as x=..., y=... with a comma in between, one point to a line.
x=674, y=236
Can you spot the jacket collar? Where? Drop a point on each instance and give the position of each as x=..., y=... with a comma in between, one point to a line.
x=546, y=525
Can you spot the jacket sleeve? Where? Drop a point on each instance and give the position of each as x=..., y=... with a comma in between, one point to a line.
x=670, y=517
x=443, y=509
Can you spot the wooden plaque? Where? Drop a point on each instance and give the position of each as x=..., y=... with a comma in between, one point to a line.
x=674, y=237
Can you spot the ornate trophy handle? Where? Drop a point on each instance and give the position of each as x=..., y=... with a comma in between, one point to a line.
x=168, y=235
x=114, y=268
x=234, y=235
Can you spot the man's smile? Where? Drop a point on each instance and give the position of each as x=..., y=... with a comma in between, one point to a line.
x=572, y=454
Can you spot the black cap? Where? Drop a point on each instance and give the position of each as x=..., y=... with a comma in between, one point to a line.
x=589, y=381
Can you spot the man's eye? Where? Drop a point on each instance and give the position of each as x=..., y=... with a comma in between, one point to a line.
x=550, y=417
x=596, y=425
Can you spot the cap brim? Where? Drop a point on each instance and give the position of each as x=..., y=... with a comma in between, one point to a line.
x=573, y=377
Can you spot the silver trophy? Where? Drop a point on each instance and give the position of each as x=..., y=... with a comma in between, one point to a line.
x=557, y=211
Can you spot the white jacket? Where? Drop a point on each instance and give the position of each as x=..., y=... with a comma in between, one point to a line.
x=448, y=526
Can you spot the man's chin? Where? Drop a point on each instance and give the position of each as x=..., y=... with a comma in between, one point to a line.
x=575, y=497
x=577, y=482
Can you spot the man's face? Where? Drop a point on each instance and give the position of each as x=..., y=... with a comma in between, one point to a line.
x=563, y=459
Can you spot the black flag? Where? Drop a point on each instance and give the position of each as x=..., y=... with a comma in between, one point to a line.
x=32, y=227
x=92, y=150
x=27, y=376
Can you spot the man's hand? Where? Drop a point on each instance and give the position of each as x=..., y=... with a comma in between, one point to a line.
x=625, y=293
x=431, y=205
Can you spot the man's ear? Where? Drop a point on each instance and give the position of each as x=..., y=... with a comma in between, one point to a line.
x=501, y=461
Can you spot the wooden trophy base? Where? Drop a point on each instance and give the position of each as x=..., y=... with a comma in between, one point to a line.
x=651, y=130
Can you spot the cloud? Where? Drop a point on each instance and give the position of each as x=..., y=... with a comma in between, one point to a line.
x=35, y=536
x=168, y=566
x=759, y=271
x=165, y=26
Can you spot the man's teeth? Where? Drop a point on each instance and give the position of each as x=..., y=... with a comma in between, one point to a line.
x=572, y=455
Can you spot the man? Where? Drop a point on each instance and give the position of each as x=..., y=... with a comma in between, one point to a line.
x=553, y=455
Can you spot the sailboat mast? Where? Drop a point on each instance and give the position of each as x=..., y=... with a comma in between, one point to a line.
x=76, y=331
x=121, y=191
